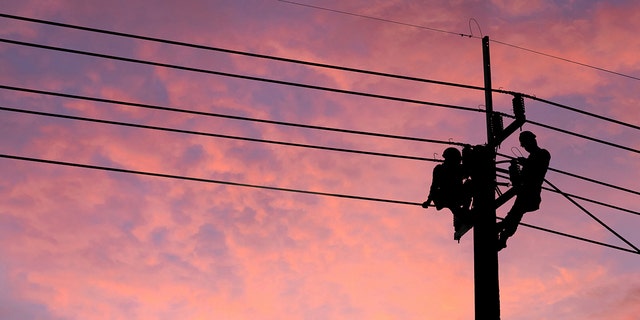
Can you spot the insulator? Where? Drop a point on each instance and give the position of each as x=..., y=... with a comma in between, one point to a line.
x=497, y=123
x=518, y=106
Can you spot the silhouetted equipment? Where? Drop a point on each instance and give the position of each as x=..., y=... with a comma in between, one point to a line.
x=497, y=124
x=518, y=106
x=485, y=255
x=475, y=170
x=500, y=133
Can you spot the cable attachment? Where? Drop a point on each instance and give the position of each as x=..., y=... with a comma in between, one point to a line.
x=518, y=107
x=497, y=125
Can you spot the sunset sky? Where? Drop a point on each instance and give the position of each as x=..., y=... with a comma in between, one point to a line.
x=89, y=243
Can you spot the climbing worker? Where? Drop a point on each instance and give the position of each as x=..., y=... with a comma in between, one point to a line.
x=448, y=190
x=527, y=183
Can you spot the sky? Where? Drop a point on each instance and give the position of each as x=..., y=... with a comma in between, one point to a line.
x=82, y=243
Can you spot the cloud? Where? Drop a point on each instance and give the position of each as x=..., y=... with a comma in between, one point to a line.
x=92, y=244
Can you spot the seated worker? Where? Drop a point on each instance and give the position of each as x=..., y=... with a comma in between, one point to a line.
x=448, y=190
x=527, y=183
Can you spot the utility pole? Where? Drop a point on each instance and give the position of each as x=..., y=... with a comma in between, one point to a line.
x=486, y=279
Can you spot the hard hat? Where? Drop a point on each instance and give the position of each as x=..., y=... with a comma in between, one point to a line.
x=452, y=153
x=527, y=135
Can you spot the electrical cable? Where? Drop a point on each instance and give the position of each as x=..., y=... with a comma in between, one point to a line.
x=575, y=237
x=594, y=217
x=237, y=184
x=244, y=77
x=611, y=144
x=604, y=204
x=294, y=84
x=574, y=196
x=307, y=86
x=562, y=106
x=573, y=175
x=463, y=35
x=227, y=116
x=215, y=135
x=571, y=133
x=375, y=18
x=209, y=114
x=243, y=53
x=309, y=63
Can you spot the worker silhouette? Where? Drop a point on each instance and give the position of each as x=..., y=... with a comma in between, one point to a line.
x=449, y=190
x=527, y=176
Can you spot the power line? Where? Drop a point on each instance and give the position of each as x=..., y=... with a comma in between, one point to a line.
x=209, y=114
x=593, y=217
x=237, y=184
x=244, y=77
x=571, y=133
x=243, y=53
x=215, y=135
x=575, y=134
x=604, y=204
x=573, y=175
x=376, y=18
x=568, y=60
x=295, y=84
x=310, y=63
x=460, y=34
x=574, y=196
x=227, y=116
x=563, y=106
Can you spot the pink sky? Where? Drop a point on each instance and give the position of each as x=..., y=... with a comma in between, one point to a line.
x=88, y=244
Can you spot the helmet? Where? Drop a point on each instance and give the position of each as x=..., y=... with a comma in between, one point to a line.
x=452, y=153
x=527, y=135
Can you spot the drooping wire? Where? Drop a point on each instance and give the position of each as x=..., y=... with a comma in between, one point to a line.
x=257, y=186
x=242, y=53
x=244, y=77
x=290, y=144
x=464, y=35
x=227, y=116
x=216, y=135
x=579, y=135
x=365, y=133
x=593, y=217
x=604, y=204
x=375, y=18
x=310, y=63
x=573, y=175
x=307, y=86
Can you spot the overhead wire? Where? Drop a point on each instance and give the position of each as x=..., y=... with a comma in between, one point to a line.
x=300, y=85
x=216, y=135
x=299, y=125
x=290, y=144
x=311, y=63
x=573, y=175
x=242, y=53
x=620, y=237
x=574, y=196
x=244, y=77
x=228, y=116
x=258, y=186
x=462, y=35
x=566, y=107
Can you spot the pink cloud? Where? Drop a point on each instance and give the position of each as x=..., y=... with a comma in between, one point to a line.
x=89, y=244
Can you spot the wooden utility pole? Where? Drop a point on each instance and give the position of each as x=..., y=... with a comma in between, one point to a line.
x=486, y=279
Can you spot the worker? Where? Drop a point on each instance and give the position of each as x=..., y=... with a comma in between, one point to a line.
x=527, y=176
x=449, y=190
